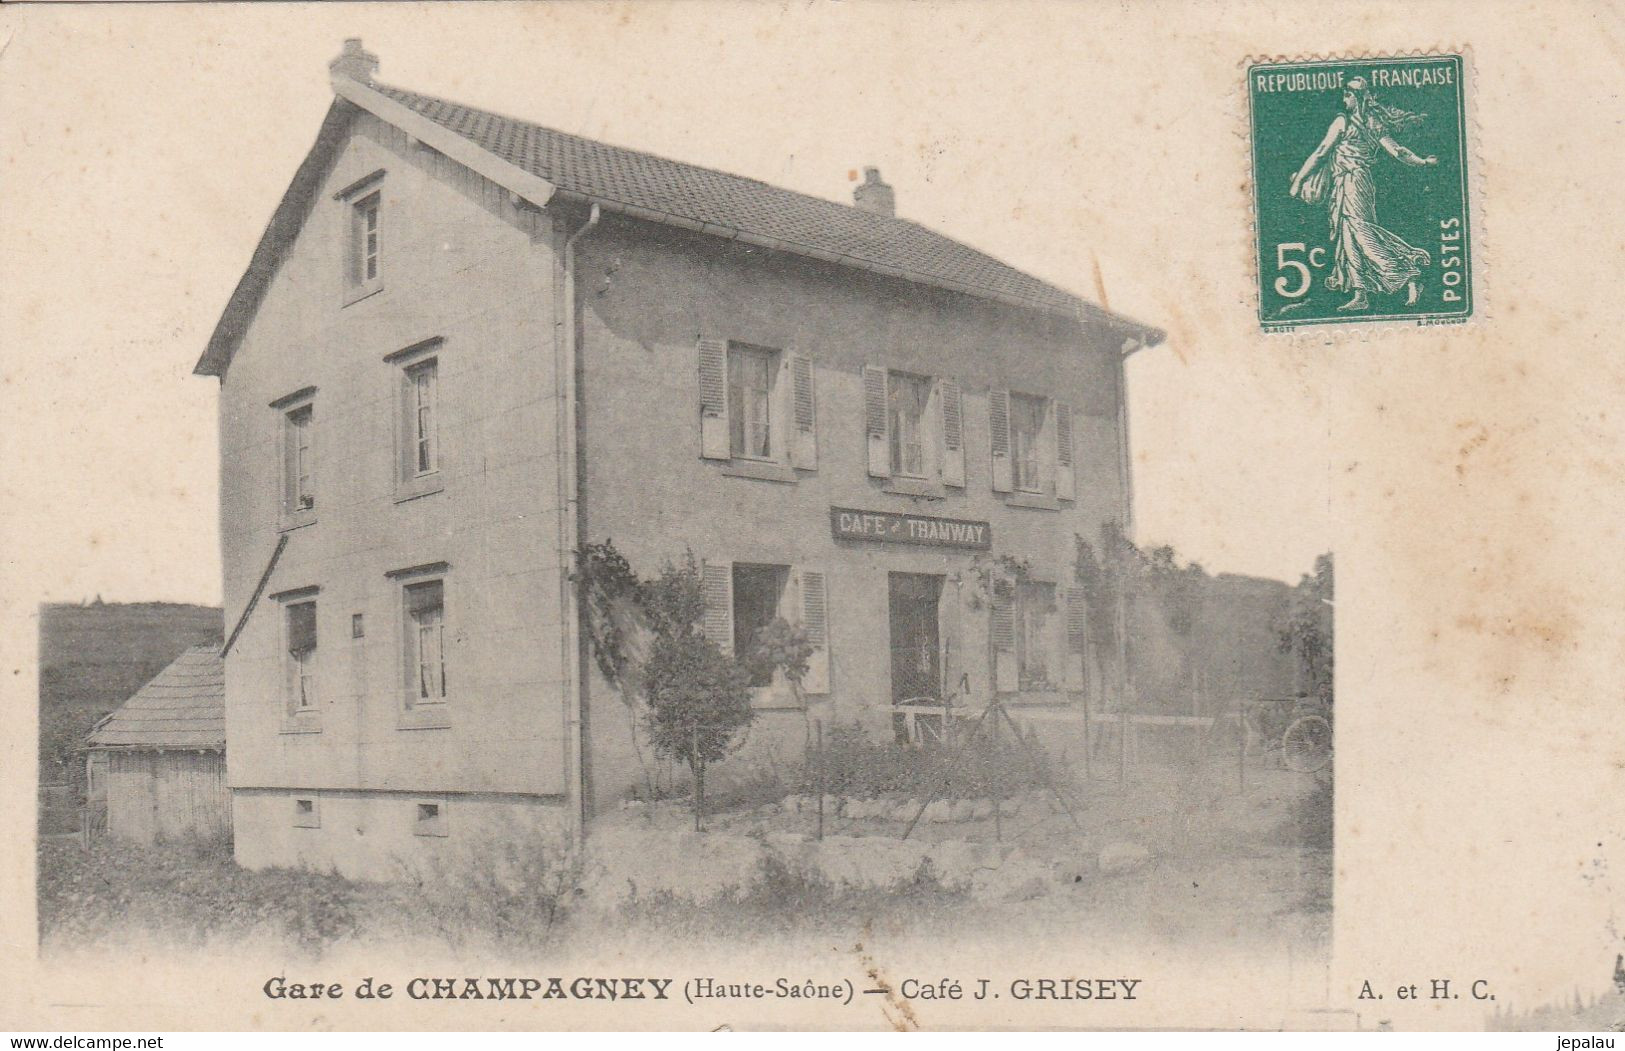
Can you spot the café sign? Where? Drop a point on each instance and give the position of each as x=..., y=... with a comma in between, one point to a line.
x=885, y=527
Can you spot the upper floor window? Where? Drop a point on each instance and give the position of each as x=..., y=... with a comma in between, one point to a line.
x=757, y=409
x=915, y=429
x=300, y=494
x=363, y=211
x=364, y=239
x=296, y=499
x=1032, y=448
x=1028, y=416
x=422, y=383
x=752, y=372
x=419, y=455
x=908, y=397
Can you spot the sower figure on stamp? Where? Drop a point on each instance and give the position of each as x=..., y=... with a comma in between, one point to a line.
x=1367, y=257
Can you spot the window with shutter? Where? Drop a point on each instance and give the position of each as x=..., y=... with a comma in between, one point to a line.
x=876, y=420
x=998, y=421
x=714, y=424
x=804, y=442
x=907, y=397
x=751, y=423
x=953, y=433
x=716, y=585
x=815, y=622
x=1027, y=459
x=1065, y=475
x=1002, y=630
x=1077, y=637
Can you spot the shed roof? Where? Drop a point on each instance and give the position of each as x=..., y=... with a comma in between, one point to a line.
x=184, y=706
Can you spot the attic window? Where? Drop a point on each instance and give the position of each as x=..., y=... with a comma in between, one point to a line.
x=366, y=239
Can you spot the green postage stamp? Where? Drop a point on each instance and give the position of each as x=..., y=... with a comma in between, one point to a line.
x=1360, y=198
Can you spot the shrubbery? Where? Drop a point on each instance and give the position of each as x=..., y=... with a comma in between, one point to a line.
x=855, y=764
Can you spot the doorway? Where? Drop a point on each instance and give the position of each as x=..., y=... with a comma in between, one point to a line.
x=916, y=641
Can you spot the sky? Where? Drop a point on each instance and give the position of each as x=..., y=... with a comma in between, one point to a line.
x=162, y=140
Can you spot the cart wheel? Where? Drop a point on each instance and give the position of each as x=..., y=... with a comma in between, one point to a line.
x=1307, y=744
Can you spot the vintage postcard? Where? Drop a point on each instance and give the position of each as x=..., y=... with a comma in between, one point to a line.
x=715, y=515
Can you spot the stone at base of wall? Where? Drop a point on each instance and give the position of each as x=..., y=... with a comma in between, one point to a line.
x=627, y=865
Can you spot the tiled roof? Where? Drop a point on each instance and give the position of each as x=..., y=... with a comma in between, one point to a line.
x=703, y=196
x=183, y=707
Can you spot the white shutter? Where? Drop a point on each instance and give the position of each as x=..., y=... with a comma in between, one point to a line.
x=1065, y=477
x=877, y=420
x=815, y=622
x=804, y=429
x=715, y=443
x=717, y=584
x=1077, y=636
x=998, y=424
x=1006, y=676
x=953, y=434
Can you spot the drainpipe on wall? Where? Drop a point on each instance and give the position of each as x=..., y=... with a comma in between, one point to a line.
x=569, y=536
x=1125, y=486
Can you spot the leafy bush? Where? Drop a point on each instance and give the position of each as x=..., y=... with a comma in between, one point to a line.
x=189, y=893
x=512, y=891
x=855, y=764
x=516, y=891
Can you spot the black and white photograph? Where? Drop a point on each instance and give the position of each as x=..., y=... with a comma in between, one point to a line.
x=679, y=516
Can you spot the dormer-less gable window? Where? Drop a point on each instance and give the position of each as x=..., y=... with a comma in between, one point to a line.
x=363, y=203
x=365, y=218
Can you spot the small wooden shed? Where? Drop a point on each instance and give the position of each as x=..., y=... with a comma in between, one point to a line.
x=159, y=759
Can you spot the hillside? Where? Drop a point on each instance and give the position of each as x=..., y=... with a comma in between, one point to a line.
x=94, y=656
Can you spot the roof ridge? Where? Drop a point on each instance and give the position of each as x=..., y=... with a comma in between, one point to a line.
x=588, y=139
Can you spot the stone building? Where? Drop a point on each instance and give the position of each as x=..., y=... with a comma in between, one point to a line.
x=467, y=344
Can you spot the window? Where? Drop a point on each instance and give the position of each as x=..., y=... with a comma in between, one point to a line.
x=306, y=813
x=914, y=428
x=298, y=459
x=425, y=643
x=1027, y=418
x=430, y=819
x=751, y=375
x=423, y=452
x=743, y=599
x=358, y=626
x=364, y=259
x=300, y=631
x=907, y=398
x=1036, y=650
x=758, y=410
x=759, y=593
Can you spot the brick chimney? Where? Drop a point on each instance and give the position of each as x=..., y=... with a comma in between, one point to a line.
x=355, y=62
x=872, y=195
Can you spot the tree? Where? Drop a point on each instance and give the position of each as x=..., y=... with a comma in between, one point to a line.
x=1306, y=631
x=647, y=641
